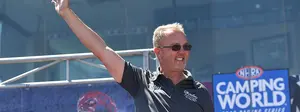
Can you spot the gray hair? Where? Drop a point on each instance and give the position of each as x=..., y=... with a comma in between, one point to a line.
x=159, y=32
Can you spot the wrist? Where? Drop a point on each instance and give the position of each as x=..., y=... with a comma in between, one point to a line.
x=65, y=12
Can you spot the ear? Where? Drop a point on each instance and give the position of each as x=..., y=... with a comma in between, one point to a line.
x=156, y=50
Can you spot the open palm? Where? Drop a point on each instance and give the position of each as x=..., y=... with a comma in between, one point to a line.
x=60, y=5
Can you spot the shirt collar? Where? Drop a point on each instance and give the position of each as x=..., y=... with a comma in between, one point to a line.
x=157, y=75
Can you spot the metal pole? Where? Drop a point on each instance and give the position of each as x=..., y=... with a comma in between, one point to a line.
x=92, y=64
x=58, y=83
x=146, y=60
x=29, y=72
x=174, y=4
x=1, y=37
x=32, y=59
x=157, y=63
x=67, y=57
x=68, y=70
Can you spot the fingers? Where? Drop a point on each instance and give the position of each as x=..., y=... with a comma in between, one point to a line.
x=53, y=1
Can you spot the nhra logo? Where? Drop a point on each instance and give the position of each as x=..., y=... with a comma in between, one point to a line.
x=249, y=72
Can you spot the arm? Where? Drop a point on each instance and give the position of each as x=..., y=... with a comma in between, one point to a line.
x=90, y=39
x=206, y=101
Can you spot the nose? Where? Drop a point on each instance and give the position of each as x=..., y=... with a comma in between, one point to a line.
x=181, y=50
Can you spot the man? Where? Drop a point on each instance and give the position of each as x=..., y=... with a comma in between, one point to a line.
x=171, y=89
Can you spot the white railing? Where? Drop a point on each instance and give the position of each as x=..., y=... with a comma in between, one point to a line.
x=61, y=58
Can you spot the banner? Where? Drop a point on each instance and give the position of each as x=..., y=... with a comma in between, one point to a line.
x=294, y=82
x=251, y=89
x=108, y=97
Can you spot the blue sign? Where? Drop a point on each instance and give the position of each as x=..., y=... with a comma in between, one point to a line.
x=251, y=89
x=102, y=97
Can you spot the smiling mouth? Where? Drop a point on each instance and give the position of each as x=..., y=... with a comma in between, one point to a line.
x=179, y=59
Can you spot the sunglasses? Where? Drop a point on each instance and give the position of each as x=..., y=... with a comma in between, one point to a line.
x=177, y=47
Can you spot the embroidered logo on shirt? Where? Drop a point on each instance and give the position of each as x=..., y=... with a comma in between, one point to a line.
x=153, y=87
x=190, y=96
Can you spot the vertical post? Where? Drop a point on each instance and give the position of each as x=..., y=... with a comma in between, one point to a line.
x=157, y=63
x=126, y=27
x=146, y=60
x=2, y=13
x=68, y=70
x=174, y=4
x=0, y=37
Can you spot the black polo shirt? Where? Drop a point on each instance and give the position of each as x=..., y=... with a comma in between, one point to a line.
x=153, y=92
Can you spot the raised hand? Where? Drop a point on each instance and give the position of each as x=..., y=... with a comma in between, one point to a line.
x=113, y=62
x=61, y=5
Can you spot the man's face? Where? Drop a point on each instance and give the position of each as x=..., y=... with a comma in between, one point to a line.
x=170, y=59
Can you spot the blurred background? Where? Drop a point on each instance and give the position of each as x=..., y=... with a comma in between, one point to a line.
x=225, y=34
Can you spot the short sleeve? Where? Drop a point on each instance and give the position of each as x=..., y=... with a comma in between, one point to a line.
x=206, y=100
x=132, y=78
